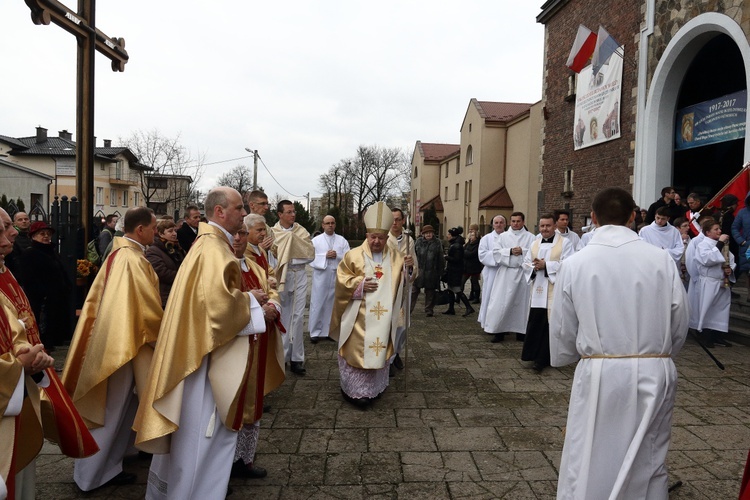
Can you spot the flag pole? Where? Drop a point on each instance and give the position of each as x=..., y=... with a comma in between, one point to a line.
x=743, y=170
x=407, y=313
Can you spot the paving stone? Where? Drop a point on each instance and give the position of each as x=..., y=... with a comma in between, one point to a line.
x=407, y=439
x=514, y=465
x=468, y=439
x=426, y=418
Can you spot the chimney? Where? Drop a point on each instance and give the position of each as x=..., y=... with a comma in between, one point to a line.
x=41, y=135
x=107, y=143
x=64, y=134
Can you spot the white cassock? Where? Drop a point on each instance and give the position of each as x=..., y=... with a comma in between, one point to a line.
x=324, y=281
x=693, y=293
x=199, y=461
x=571, y=236
x=585, y=239
x=114, y=437
x=486, y=246
x=620, y=414
x=714, y=298
x=666, y=237
x=508, y=302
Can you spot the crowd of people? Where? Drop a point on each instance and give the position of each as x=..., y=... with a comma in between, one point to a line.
x=190, y=324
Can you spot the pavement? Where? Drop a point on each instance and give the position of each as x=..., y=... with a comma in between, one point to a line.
x=465, y=419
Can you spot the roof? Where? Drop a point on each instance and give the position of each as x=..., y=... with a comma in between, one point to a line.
x=498, y=199
x=27, y=170
x=437, y=152
x=436, y=203
x=13, y=142
x=501, y=111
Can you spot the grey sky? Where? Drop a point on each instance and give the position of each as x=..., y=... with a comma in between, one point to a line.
x=305, y=83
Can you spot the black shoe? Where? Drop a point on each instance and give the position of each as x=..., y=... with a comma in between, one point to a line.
x=469, y=311
x=450, y=311
x=429, y=314
x=121, y=479
x=250, y=471
x=330, y=339
x=296, y=367
x=361, y=403
x=706, y=340
x=398, y=362
x=266, y=408
x=499, y=337
x=314, y=340
x=391, y=371
x=255, y=472
x=520, y=337
x=476, y=301
x=538, y=367
x=720, y=341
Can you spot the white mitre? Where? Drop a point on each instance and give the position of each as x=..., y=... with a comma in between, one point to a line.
x=378, y=218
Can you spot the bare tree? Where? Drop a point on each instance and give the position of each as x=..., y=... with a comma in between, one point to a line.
x=174, y=173
x=239, y=178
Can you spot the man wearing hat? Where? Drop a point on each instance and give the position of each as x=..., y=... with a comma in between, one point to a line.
x=369, y=294
x=431, y=263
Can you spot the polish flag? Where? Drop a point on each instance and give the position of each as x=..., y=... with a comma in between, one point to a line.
x=606, y=45
x=583, y=48
x=739, y=186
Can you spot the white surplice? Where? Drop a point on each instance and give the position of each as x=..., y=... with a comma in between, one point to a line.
x=622, y=298
x=714, y=298
x=202, y=450
x=571, y=236
x=666, y=237
x=693, y=292
x=486, y=245
x=585, y=239
x=114, y=437
x=508, y=301
x=324, y=282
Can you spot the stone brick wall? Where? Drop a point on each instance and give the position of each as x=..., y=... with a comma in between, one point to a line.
x=604, y=165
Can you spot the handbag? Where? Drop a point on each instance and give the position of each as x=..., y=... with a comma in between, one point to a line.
x=443, y=297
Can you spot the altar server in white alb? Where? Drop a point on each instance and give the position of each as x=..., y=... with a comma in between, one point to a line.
x=620, y=414
x=508, y=302
x=662, y=234
x=715, y=265
x=486, y=245
x=329, y=250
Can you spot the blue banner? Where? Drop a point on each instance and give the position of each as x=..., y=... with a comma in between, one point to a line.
x=709, y=122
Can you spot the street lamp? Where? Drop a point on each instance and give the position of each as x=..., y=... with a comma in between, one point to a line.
x=255, y=166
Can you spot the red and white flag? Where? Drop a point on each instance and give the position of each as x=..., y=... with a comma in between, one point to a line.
x=583, y=48
x=739, y=186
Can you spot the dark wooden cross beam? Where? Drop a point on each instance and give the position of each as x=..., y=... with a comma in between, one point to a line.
x=83, y=26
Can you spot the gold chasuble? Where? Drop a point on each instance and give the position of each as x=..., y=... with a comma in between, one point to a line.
x=289, y=245
x=206, y=310
x=60, y=419
x=118, y=324
x=20, y=435
x=366, y=328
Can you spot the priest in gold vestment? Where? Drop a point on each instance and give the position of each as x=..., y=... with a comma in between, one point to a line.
x=111, y=350
x=195, y=400
x=369, y=290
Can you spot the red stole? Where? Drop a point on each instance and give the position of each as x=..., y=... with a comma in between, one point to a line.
x=259, y=344
x=61, y=422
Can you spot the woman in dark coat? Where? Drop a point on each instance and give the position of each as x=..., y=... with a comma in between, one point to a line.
x=454, y=271
x=472, y=266
x=47, y=286
x=165, y=256
x=429, y=252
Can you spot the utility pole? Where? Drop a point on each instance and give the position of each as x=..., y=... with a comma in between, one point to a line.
x=255, y=166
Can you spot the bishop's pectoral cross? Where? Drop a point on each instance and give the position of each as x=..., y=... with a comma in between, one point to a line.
x=83, y=26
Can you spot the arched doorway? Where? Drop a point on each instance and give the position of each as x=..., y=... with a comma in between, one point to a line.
x=691, y=53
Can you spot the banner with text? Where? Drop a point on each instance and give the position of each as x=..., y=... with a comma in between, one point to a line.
x=708, y=122
x=597, y=114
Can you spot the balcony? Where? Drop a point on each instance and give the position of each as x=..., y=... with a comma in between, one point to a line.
x=118, y=177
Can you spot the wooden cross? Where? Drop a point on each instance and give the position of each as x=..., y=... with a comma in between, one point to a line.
x=377, y=346
x=379, y=310
x=83, y=26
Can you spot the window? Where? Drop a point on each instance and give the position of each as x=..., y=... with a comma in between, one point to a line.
x=125, y=195
x=568, y=181
x=445, y=198
x=456, y=191
x=458, y=166
x=446, y=170
x=469, y=155
x=158, y=207
x=136, y=199
x=469, y=127
x=118, y=169
x=415, y=172
x=154, y=183
x=469, y=197
x=113, y=197
x=100, y=196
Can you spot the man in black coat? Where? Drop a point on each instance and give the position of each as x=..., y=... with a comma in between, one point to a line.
x=189, y=231
x=429, y=252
